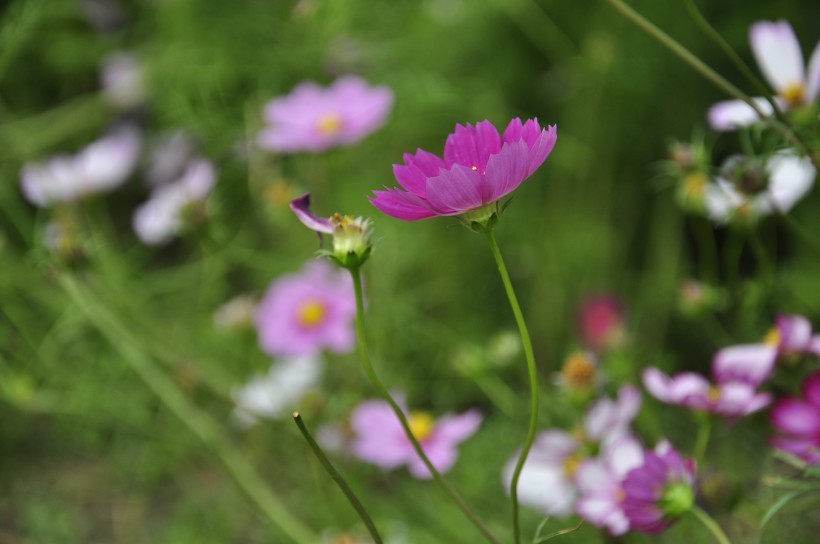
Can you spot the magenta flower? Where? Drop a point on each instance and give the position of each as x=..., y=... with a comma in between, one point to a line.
x=381, y=440
x=780, y=58
x=315, y=119
x=659, y=491
x=304, y=313
x=798, y=422
x=479, y=167
x=601, y=323
x=738, y=372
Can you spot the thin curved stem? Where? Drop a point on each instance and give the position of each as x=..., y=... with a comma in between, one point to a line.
x=533, y=377
x=203, y=427
x=340, y=481
x=710, y=524
x=702, y=440
x=385, y=394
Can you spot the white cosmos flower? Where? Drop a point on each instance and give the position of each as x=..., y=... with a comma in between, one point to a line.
x=790, y=177
x=277, y=393
x=100, y=167
x=780, y=58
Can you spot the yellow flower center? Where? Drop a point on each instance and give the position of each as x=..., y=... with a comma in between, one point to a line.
x=329, y=124
x=579, y=371
x=694, y=185
x=572, y=464
x=713, y=394
x=422, y=424
x=794, y=94
x=772, y=337
x=311, y=313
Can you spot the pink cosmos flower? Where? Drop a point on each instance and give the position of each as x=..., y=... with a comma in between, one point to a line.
x=161, y=218
x=548, y=480
x=479, y=167
x=314, y=119
x=102, y=166
x=601, y=323
x=600, y=484
x=304, y=313
x=792, y=335
x=381, y=440
x=798, y=422
x=780, y=58
x=659, y=491
x=738, y=372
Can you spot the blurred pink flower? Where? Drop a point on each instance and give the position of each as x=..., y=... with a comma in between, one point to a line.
x=780, y=58
x=312, y=118
x=123, y=80
x=738, y=371
x=380, y=439
x=798, y=422
x=304, y=313
x=479, y=167
x=161, y=218
x=102, y=166
x=659, y=491
x=792, y=334
x=601, y=323
x=600, y=484
x=548, y=480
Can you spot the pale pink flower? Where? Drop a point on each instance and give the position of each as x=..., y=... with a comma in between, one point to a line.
x=307, y=312
x=380, y=439
x=161, y=218
x=312, y=118
x=738, y=371
x=780, y=58
x=793, y=335
x=100, y=167
x=122, y=79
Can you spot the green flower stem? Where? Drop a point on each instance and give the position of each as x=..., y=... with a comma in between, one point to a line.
x=355, y=273
x=203, y=427
x=684, y=54
x=710, y=524
x=702, y=439
x=317, y=451
x=533, y=376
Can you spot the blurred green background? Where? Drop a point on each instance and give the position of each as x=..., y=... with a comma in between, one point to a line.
x=89, y=454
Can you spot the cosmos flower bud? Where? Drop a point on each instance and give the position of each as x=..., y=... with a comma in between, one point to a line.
x=351, y=235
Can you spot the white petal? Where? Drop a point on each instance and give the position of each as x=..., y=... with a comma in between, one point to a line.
x=732, y=114
x=813, y=76
x=721, y=200
x=778, y=54
x=791, y=177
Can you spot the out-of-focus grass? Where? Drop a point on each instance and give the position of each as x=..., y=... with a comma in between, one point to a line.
x=88, y=454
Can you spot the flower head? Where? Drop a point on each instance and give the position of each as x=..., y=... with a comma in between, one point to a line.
x=161, y=218
x=738, y=372
x=304, y=313
x=548, y=479
x=659, y=491
x=351, y=236
x=381, y=440
x=751, y=188
x=601, y=323
x=275, y=394
x=780, y=58
x=122, y=80
x=314, y=119
x=479, y=168
x=793, y=337
x=798, y=422
x=100, y=167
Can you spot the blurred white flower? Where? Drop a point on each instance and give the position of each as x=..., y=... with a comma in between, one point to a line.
x=236, y=313
x=746, y=193
x=168, y=157
x=161, y=218
x=277, y=393
x=123, y=80
x=100, y=167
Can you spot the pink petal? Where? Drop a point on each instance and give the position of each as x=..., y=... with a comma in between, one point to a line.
x=674, y=390
x=458, y=190
x=417, y=168
x=811, y=390
x=301, y=207
x=793, y=416
x=795, y=332
x=752, y=363
x=734, y=114
x=454, y=429
x=506, y=170
x=778, y=53
x=472, y=146
x=402, y=205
